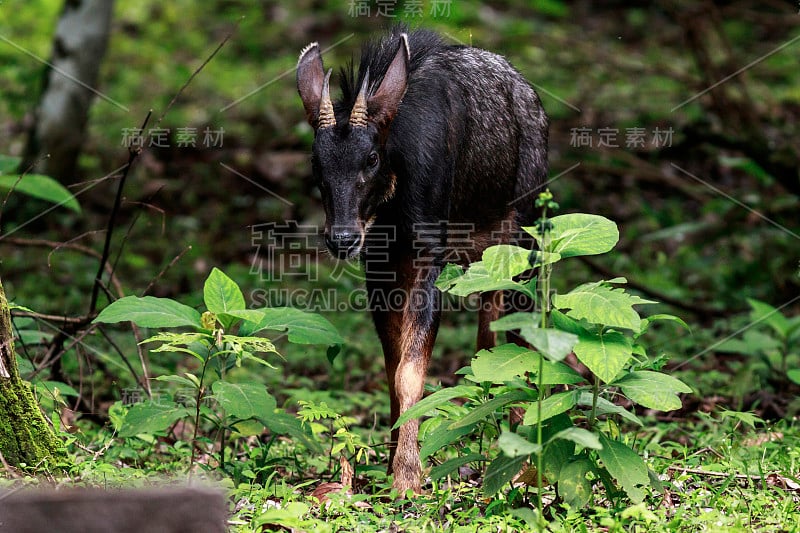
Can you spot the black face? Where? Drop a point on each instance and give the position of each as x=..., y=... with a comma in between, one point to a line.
x=350, y=170
x=349, y=162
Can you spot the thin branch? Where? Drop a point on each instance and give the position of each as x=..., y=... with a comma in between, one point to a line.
x=96, y=454
x=197, y=71
x=133, y=153
x=165, y=269
x=154, y=208
x=124, y=360
x=53, y=318
x=708, y=473
x=44, y=243
x=130, y=230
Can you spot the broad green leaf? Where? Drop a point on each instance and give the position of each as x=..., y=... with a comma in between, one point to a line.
x=605, y=407
x=565, y=323
x=447, y=277
x=280, y=422
x=553, y=343
x=504, y=261
x=794, y=375
x=794, y=329
x=197, y=345
x=243, y=400
x=742, y=416
x=448, y=467
x=752, y=343
x=526, y=515
x=247, y=428
x=551, y=406
x=663, y=317
x=41, y=187
x=149, y=419
x=516, y=321
x=302, y=327
x=653, y=390
x=478, y=279
x=539, y=258
x=288, y=517
x=56, y=388
x=763, y=312
x=180, y=380
x=503, y=363
x=441, y=437
x=24, y=367
x=222, y=295
x=179, y=337
x=250, y=344
x=556, y=453
x=9, y=164
x=501, y=471
x=436, y=399
x=513, y=445
x=557, y=374
x=580, y=436
x=599, y=303
x=581, y=234
x=486, y=409
x=625, y=466
x=605, y=354
x=254, y=316
x=573, y=487
x=149, y=312
x=29, y=337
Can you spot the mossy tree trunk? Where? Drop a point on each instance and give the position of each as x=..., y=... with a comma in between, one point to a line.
x=26, y=438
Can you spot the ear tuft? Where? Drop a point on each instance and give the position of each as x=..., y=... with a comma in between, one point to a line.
x=306, y=50
x=404, y=40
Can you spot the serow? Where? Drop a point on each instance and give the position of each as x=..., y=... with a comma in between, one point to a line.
x=432, y=154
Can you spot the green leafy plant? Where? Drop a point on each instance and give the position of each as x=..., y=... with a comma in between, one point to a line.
x=338, y=428
x=772, y=345
x=569, y=434
x=222, y=337
x=34, y=185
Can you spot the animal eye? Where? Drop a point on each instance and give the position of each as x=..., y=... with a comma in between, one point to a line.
x=372, y=159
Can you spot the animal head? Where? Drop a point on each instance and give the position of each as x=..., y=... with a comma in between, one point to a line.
x=349, y=158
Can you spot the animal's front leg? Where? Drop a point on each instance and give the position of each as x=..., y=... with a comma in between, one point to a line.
x=419, y=334
x=407, y=321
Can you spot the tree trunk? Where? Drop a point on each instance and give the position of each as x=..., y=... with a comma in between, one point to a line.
x=69, y=85
x=26, y=438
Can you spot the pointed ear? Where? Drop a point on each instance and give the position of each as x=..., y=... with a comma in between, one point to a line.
x=310, y=76
x=384, y=103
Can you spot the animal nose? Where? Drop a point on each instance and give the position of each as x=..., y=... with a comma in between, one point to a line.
x=343, y=243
